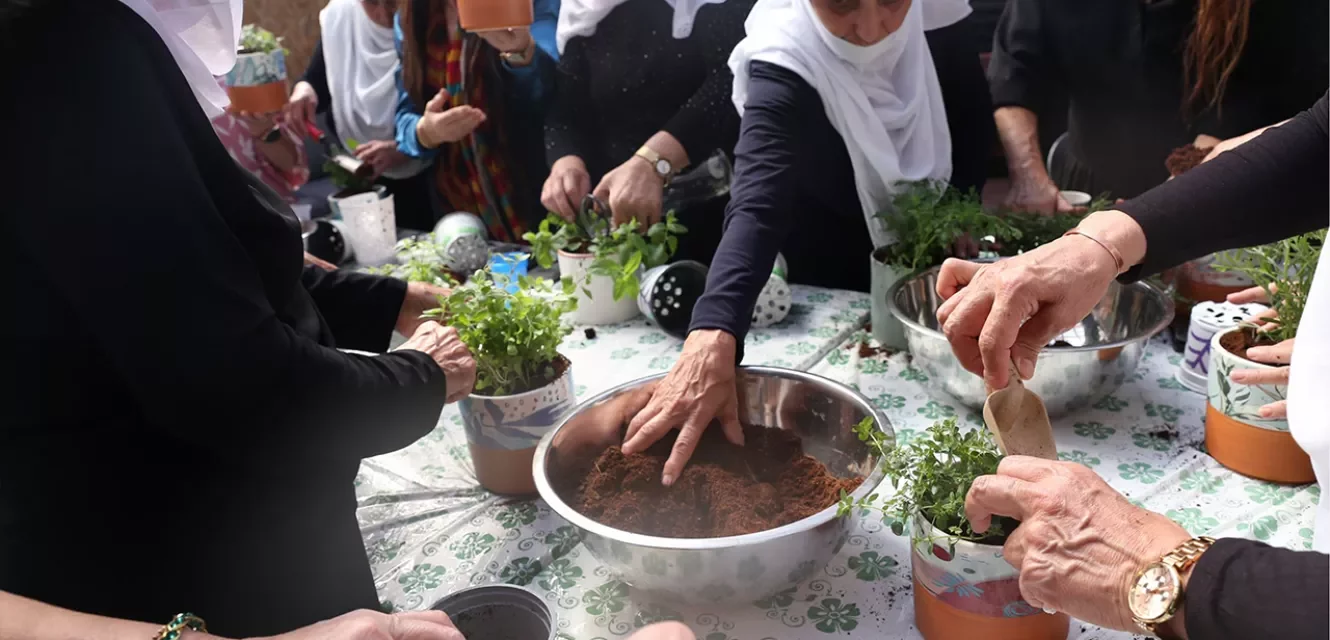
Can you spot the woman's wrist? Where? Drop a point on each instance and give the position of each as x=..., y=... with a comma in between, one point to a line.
x=1117, y=232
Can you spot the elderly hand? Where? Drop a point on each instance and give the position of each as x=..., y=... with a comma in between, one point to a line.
x=438, y=126
x=1079, y=544
x=1039, y=195
x=301, y=107
x=699, y=388
x=371, y=625
x=568, y=183
x=420, y=297
x=633, y=190
x=664, y=631
x=380, y=154
x=448, y=351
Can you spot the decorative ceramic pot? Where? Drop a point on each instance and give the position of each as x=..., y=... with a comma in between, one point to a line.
x=1235, y=433
x=773, y=303
x=972, y=592
x=491, y=15
x=370, y=222
x=887, y=330
x=463, y=242
x=503, y=431
x=257, y=82
x=1207, y=319
x=1077, y=198
x=599, y=307
x=669, y=292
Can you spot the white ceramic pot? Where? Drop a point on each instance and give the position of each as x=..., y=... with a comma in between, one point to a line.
x=600, y=307
x=503, y=431
x=668, y=293
x=887, y=330
x=463, y=242
x=371, y=225
x=773, y=303
x=1077, y=198
x=1207, y=319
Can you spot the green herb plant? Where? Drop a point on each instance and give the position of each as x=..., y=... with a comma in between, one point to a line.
x=1038, y=229
x=514, y=336
x=256, y=39
x=619, y=253
x=930, y=476
x=420, y=262
x=1285, y=270
x=927, y=217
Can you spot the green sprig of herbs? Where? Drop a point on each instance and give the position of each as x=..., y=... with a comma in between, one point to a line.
x=256, y=39
x=420, y=261
x=927, y=217
x=1285, y=270
x=619, y=252
x=930, y=476
x=514, y=336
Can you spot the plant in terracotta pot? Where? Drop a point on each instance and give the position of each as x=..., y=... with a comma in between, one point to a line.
x=524, y=386
x=962, y=587
x=1236, y=433
x=257, y=82
x=926, y=218
x=604, y=264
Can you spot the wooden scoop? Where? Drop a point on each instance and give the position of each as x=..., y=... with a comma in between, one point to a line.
x=1019, y=421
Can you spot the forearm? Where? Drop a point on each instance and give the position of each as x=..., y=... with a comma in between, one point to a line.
x=1018, y=129
x=669, y=148
x=1242, y=589
x=24, y=619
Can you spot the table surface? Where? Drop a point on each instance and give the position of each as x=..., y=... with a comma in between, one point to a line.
x=431, y=530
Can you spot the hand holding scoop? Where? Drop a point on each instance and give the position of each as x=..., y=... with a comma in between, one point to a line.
x=1019, y=422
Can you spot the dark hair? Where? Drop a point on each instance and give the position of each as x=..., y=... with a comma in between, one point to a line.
x=413, y=73
x=1213, y=50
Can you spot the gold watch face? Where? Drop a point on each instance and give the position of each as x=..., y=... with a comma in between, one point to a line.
x=1152, y=595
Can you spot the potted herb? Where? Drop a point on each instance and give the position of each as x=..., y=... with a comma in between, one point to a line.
x=604, y=264
x=257, y=82
x=925, y=218
x=962, y=587
x=524, y=386
x=1235, y=432
x=418, y=261
x=356, y=187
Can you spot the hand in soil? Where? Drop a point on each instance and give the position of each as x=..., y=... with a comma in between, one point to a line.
x=1280, y=356
x=699, y=388
x=1079, y=544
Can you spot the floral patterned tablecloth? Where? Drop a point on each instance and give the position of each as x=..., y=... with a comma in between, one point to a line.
x=430, y=530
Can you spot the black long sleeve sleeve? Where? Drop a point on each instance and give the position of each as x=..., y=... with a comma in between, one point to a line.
x=316, y=74
x=969, y=107
x=1243, y=589
x=1022, y=72
x=360, y=309
x=708, y=120
x=1270, y=188
x=568, y=131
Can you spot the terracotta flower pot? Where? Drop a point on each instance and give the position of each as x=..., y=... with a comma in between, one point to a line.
x=257, y=82
x=600, y=307
x=973, y=593
x=490, y=15
x=503, y=431
x=887, y=330
x=1198, y=281
x=1235, y=433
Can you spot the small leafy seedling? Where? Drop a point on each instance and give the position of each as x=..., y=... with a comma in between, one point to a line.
x=619, y=253
x=1285, y=270
x=421, y=262
x=256, y=39
x=928, y=217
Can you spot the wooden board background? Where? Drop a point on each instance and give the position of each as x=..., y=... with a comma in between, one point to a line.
x=297, y=21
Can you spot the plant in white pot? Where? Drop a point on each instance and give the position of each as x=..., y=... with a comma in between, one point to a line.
x=524, y=386
x=1236, y=433
x=962, y=587
x=604, y=264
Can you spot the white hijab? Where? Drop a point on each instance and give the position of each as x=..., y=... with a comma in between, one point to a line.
x=883, y=99
x=1308, y=403
x=361, y=61
x=578, y=18
x=202, y=36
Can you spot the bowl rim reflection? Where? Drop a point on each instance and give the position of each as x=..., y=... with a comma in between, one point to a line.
x=1155, y=292
x=574, y=517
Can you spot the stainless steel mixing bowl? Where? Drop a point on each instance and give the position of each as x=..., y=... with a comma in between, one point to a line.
x=1104, y=350
x=706, y=571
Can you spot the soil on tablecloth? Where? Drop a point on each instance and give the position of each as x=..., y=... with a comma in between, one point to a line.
x=724, y=491
x=1184, y=159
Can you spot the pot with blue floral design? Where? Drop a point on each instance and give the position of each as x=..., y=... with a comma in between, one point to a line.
x=503, y=431
x=1236, y=434
x=257, y=82
x=965, y=590
x=1207, y=319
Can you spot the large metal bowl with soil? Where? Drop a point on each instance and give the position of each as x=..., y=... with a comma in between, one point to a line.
x=1078, y=369
x=688, y=569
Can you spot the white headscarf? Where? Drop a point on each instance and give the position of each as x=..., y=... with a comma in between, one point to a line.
x=580, y=17
x=202, y=36
x=361, y=60
x=883, y=99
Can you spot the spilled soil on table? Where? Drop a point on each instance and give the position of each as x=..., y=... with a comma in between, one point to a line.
x=724, y=491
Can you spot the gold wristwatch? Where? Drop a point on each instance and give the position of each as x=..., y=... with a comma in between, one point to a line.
x=1156, y=593
x=660, y=163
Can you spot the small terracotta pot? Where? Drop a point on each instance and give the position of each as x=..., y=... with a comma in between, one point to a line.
x=257, y=82
x=491, y=15
x=1198, y=281
x=973, y=593
x=503, y=431
x=1235, y=433
x=599, y=307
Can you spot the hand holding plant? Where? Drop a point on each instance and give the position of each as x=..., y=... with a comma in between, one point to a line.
x=444, y=347
x=1284, y=270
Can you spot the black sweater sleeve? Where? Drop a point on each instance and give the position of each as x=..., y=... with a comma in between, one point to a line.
x=316, y=74
x=568, y=131
x=969, y=107
x=767, y=170
x=708, y=120
x=1273, y=187
x=361, y=309
x=1243, y=589
x=1022, y=71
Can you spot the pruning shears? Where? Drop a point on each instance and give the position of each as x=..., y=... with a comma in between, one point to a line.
x=593, y=211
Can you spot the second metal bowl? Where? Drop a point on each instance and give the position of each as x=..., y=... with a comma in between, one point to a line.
x=1089, y=362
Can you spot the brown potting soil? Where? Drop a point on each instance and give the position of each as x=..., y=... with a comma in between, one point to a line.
x=1238, y=342
x=1184, y=159
x=725, y=490
x=867, y=350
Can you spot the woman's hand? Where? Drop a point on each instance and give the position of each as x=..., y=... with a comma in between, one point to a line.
x=1080, y=543
x=439, y=125
x=1281, y=356
x=420, y=297
x=568, y=183
x=380, y=154
x=312, y=260
x=664, y=631
x=442, y=345
x=301, y=107
x=371, y=625
x=1037, y=194
x=511, y=41
x=633, y=190
x=699, y=388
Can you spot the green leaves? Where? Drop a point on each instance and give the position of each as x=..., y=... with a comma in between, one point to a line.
x=620, y=253
x=423, y=263
x=1285, y=270
x=256, y=39
x=927, y=217
x=514, y=337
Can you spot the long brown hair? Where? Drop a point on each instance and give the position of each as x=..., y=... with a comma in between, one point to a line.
x=413, y=66
x=1213, y=50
